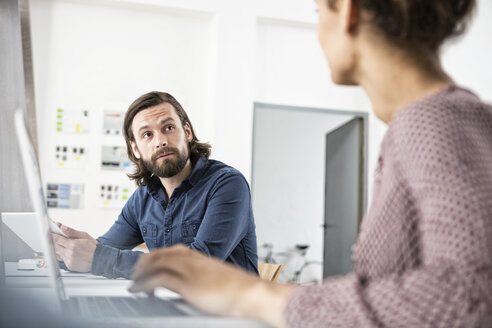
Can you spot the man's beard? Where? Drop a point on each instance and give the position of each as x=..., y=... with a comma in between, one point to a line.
x=170, y=166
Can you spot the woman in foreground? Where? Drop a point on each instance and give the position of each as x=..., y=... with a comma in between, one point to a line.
x=423, y=257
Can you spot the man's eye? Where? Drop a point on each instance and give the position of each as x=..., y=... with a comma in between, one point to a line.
x=169, y=128
x=146, y=135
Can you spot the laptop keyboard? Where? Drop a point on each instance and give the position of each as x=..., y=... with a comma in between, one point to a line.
x=110, y=306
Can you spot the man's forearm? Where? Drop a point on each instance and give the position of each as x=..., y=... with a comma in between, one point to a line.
x=113, y=263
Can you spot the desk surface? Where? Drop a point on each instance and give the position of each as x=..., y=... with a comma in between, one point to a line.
x=90, y=285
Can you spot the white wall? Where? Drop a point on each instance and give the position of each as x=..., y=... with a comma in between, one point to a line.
x=291, y=70
x=467, y=59
x=102, y=57
x=217, y=57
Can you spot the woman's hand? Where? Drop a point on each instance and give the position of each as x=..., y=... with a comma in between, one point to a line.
x=210, y=285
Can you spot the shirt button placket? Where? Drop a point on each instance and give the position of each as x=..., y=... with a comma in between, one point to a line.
x=167, y=224
x=169, y=221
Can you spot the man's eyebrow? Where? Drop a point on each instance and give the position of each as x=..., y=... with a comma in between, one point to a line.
x=145, y=127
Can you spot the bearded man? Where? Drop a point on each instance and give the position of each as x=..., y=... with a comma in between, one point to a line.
x=183, y=197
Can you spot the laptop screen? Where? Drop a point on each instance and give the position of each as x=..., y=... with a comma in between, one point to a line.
x=2, y=263
x=33, y=177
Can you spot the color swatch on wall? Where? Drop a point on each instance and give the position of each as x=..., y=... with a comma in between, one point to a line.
x=114, y=158
x=70, y=156
x=72, y=121
x=113, y=196
x=64, y=195
x=113, y=122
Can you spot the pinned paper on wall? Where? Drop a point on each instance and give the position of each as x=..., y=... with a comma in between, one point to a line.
x=72, y=121
x=114, y=196
x=64, y=195
x=114, y=158
x=113, y=122
x=70, y=156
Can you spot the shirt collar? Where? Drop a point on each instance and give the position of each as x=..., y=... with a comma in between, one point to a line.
x=198, y=170
x=153, y=187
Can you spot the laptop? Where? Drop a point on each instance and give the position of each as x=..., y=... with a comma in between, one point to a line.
x=86, y=306
x=2, y=262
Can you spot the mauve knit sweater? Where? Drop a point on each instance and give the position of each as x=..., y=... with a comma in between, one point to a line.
x=423, y=257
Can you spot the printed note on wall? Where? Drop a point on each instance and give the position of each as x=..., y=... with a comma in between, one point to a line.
x=72, y=121
x=64, y=195
x=113, y=122
x=114, y=158
x=70, y=156
x=114, y=196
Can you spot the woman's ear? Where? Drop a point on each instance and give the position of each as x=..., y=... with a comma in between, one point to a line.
x=349, y=14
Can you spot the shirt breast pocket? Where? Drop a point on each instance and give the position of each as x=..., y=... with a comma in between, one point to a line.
x=189, y=231
x=149, y=234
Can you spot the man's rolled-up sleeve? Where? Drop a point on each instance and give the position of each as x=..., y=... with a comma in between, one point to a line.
x=113, y=257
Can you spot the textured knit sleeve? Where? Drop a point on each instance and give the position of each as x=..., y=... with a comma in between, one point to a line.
x=440, y=155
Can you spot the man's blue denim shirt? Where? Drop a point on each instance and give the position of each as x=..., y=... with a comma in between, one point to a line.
x=210, y=211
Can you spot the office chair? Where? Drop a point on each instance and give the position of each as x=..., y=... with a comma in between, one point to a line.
x=269, y=271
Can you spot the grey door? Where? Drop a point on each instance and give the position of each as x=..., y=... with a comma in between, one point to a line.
x=344, y=195
x=289, y=173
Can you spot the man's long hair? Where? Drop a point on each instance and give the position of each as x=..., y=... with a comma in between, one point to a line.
x=196, y=149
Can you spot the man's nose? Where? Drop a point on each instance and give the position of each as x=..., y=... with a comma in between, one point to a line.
x=161, y=141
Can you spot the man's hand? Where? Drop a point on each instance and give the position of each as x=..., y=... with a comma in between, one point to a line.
x=211, y=285
x=77, y=251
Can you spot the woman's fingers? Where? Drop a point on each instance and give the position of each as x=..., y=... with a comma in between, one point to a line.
x=159, y=279
x=205, y=282
x=161, y=260
x=210, y=285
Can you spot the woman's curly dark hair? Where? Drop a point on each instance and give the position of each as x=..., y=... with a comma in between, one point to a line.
x=419, y=25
